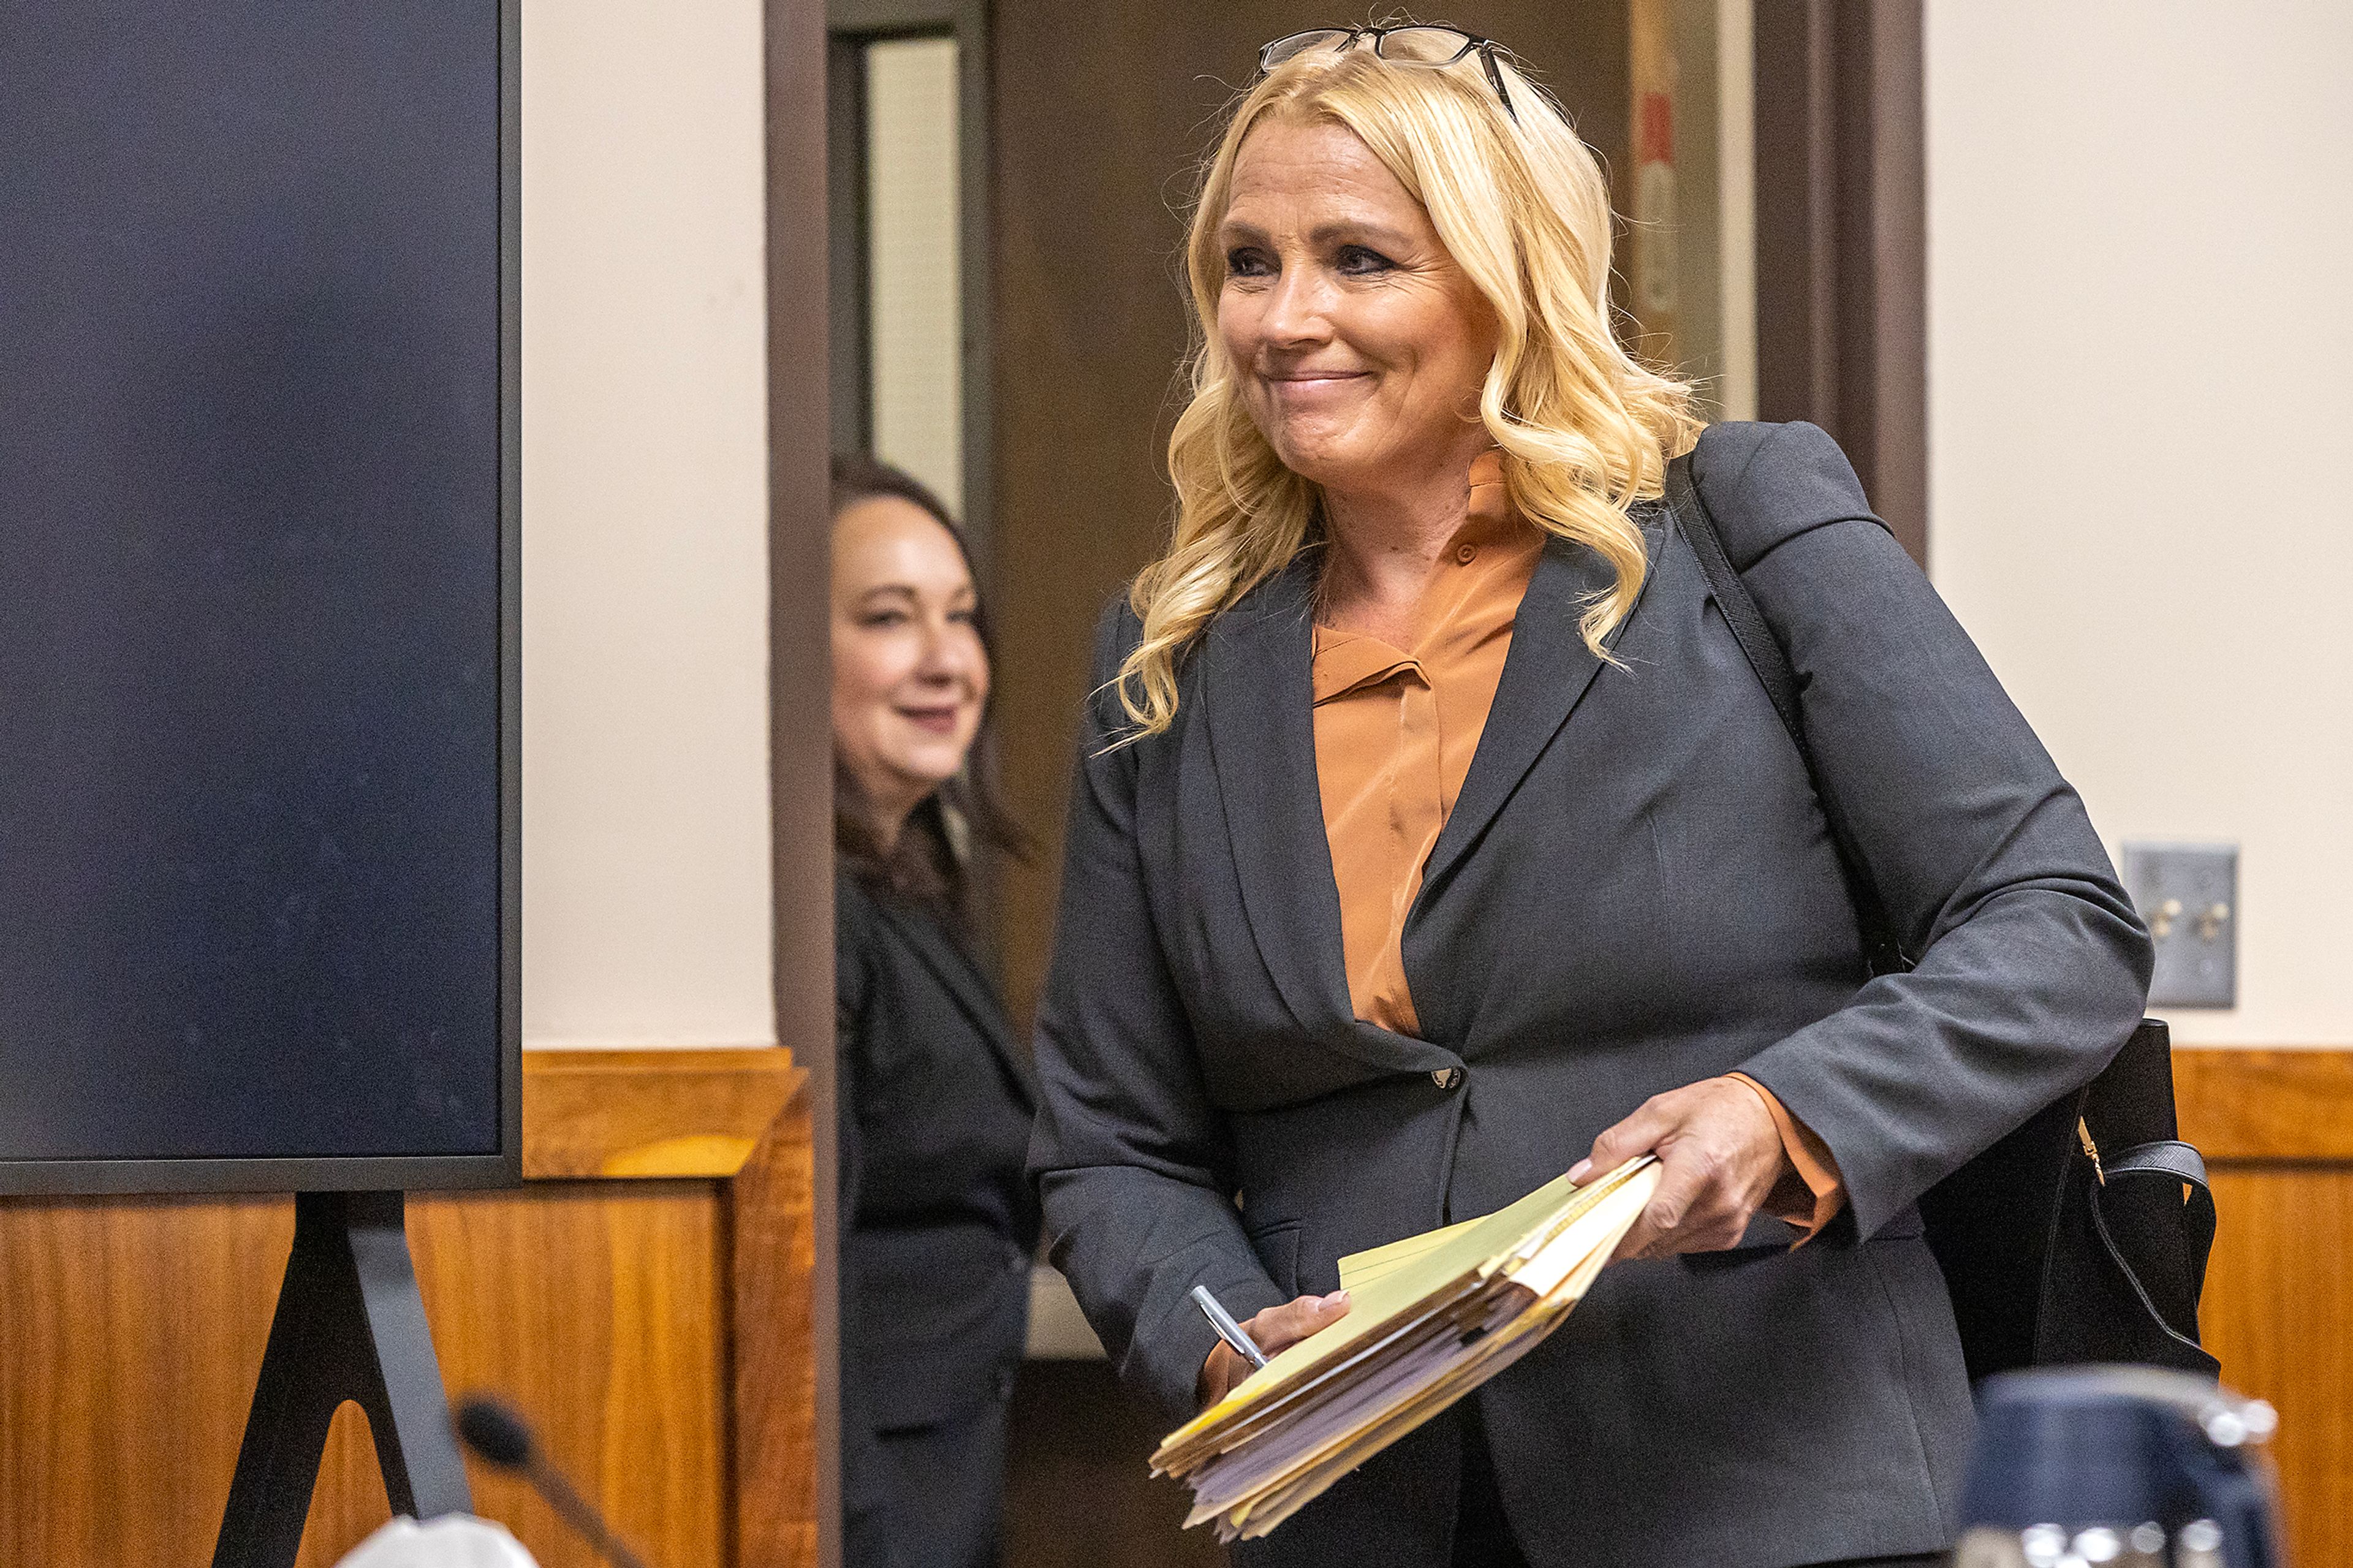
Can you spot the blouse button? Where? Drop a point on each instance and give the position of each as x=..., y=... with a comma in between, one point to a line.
x=1467, y=554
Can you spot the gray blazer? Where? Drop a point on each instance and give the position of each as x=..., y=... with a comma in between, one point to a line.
x=1635, y=890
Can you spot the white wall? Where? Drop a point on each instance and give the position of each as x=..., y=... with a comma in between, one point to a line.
x=646, y=838
x=2140, y=225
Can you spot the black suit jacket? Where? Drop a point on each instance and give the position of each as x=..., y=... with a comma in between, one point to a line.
x=1635, y=890
x=939, y=1218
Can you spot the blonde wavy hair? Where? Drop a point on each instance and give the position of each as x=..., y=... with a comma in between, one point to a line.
x=1586, y=430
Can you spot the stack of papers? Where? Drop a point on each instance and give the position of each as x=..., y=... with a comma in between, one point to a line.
x=1430, y=1319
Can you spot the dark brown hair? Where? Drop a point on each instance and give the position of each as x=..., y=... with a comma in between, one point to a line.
x=927, y=867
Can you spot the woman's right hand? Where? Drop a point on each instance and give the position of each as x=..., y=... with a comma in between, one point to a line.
x=1276, y=1329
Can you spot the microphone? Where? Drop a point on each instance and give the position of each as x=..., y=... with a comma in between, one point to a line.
x=502, y=1439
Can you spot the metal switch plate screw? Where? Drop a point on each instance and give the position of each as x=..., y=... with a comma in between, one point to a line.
x=2189, y=895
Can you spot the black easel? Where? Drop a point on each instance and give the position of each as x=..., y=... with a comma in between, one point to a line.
x=350, y=1325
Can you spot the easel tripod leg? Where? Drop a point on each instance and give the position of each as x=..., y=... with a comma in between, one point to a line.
x=350, y=1325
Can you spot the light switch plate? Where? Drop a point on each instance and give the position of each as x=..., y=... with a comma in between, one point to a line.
x=2188, y=895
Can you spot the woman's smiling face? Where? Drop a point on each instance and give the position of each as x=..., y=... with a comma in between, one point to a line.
x=1360, y=347
x=910, y=676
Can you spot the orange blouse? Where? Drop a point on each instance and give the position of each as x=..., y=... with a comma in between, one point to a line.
x=1394, y=731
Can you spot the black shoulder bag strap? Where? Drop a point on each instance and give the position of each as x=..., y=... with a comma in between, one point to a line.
x=2168, y=1159
x=2171, y=1161
x=1763, y=651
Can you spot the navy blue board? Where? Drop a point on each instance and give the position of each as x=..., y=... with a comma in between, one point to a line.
x=256, y=638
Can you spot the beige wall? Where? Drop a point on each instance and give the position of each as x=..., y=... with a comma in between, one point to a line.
x=2140, y=423
x=646, y=826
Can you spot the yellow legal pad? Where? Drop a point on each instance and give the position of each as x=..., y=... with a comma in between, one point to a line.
x=1430, y=1319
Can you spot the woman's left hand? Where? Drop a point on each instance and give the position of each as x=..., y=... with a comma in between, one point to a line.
x=1720, y=1155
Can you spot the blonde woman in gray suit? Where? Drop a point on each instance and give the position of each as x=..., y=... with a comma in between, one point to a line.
x=1431, y=837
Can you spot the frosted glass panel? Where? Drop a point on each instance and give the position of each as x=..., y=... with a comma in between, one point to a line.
x=914, y=322
x=1690, y=260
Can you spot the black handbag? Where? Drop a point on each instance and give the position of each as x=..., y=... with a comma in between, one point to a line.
x=2081, y=1236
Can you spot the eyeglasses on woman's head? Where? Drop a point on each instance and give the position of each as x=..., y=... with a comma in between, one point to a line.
x=1414, y=46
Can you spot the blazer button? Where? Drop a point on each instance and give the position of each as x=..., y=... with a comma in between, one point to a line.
x=1447, y=1078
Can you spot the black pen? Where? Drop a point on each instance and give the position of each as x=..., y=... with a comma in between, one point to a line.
x=1228, y=1330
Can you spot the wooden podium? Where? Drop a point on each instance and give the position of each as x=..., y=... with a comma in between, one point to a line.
x=644, y=1298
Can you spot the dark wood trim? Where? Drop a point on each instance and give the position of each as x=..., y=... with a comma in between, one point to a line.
x=1842, y=239
x=2241, y=1105
x=976, y=287
x=800, y=754
x=881, y=19
x=852, y=24
x=850, y=348
x=781, y=1447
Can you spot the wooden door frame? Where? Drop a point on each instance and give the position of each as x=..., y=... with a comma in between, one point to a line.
x=851, y=26
x=1842, y=239
x=800, y=754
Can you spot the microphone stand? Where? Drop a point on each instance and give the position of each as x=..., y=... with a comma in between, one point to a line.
x=502, y=1439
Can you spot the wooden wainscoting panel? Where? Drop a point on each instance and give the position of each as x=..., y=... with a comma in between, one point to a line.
x=650, y=1113
x=655, y=1331
x=776, y=1432
x=133, y=1330
x=598, y=1310
x=2277, y=1129
x=2279, y=1313
x=2265, y=1104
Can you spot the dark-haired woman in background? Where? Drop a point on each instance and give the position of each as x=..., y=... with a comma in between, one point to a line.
x=937, y=1218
